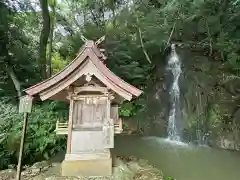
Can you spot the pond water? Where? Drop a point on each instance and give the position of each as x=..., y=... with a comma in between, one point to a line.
x=182, y=161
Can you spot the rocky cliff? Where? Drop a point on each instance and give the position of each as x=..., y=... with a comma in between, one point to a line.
x=210, y=101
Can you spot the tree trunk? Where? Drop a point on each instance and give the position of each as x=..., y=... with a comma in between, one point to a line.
x=49, y=63
x=44, y=38
x=113, y=14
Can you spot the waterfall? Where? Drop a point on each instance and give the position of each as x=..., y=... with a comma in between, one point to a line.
x=174, y=66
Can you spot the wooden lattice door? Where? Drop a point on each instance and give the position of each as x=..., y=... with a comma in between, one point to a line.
x=91, y=116
x=89, y=112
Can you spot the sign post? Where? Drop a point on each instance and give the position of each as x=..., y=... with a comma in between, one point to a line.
x=25, y=106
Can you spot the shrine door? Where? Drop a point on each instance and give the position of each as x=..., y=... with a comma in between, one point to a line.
x=90, y=116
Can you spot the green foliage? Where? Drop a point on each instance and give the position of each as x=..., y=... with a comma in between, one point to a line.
x=41, y=140
x=131, y=109
x=214, y=116
x=58, y=63
x=126, y=110
x=18, y=47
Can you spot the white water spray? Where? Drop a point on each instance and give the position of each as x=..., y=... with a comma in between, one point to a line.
x=174, y=65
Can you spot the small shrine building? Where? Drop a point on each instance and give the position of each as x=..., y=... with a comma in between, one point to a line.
x=93, y=93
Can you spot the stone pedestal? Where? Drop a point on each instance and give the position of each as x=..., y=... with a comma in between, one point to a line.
x=92, y=167
x=98, y=163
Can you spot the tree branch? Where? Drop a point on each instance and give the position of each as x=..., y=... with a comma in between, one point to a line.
x=170, y=37
x=15, y=80
x=141, y=41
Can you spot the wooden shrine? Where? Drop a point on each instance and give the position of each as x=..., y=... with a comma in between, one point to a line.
x=93, y=93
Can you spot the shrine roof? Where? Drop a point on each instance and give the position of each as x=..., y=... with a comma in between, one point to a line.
x=88, y=53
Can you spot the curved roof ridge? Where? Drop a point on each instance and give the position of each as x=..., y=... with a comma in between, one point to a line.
x=56, y=76
x=92, y=51
x=113, y=77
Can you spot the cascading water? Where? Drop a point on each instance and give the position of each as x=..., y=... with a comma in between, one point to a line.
x=174, y=66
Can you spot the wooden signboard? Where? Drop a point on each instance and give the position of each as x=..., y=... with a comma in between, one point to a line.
x=25, y=105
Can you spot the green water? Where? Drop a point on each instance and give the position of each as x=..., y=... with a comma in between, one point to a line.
x=183, y=162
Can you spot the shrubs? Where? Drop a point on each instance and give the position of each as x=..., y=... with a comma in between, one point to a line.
x=41, y=141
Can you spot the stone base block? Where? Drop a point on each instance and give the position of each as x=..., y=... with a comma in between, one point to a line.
x=96, y=167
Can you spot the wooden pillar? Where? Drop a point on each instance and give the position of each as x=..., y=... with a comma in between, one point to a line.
x=70, y=125
x=120, y=124
x=108, y=108
x=70, y=121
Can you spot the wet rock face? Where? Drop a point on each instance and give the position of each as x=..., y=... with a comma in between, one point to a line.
x=209, y=99
x=155, y=117
x=226, y=141
x=236, y=116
